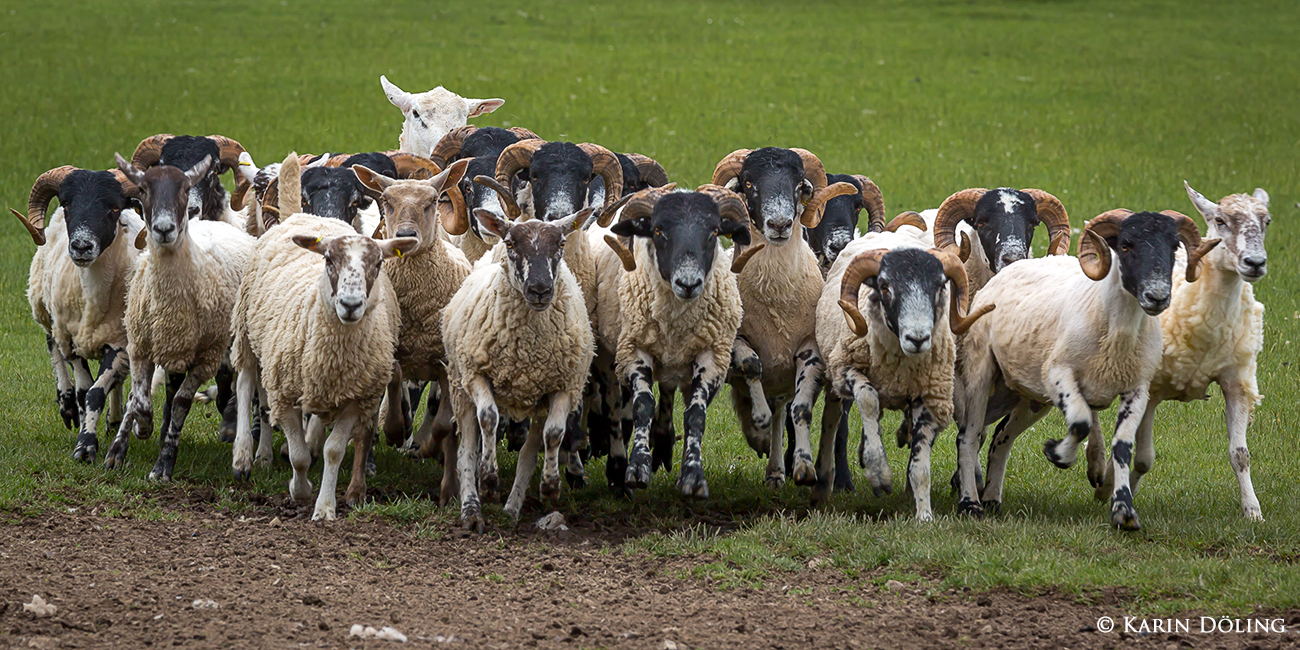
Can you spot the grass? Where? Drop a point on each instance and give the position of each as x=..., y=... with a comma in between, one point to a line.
x=1105, y=104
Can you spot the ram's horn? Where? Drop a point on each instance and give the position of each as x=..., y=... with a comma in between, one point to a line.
x=523, y=134
x=605, y=164
x=514, y=158
x=625, y=255
x=874, y=202
x=448, y=148
x=1052, y=214
x=149, y=151
x=1094, y=252
x=812, y=212
x=230, y=149
x=44, y=190
x=908, y=218
x=813, y=170
x=1191, y=238
x=415, y=167
x=742, y=258
x=865, y=265
x=507, y=197
x=729, y=167
x=959, y=320
x=652, y=173
x=954, y=210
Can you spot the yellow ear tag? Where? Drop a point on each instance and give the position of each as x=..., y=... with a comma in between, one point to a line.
x=245, y=163
x=398, y=253
x=318, y=240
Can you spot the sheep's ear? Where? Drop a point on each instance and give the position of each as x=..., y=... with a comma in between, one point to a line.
x=400, y=98
x=373, y=180
x=247, y=168
x=479, y=107
x=397, y=247
x=638, y=227
x=576, y=221
x=133, y=173
x=1208, y=209
x=736, y=230
x=1261, y=196
x=497, y=225
x=197, y=172
x=312, y=243
x=449, y=176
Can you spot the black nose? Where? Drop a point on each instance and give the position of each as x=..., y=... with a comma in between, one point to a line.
x=917, y=341
x=1255, y=262
x=537, y=294
x=780, y=224
x=1155, y=298
x=164, y=229
x=406, y=232
x=350, y=305
x=1008, y=259
x=689, y=285
x=81, y=246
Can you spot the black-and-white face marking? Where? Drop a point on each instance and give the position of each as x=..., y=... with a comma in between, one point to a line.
x=1145, y=248
x=839, y=223
x=559, y=174
x=909, y=290
x=92, y=208
x=683, y=231
x=352, y=264
x=1241, y=221
x=165, y=192
x=1005, y=219
x=534, y=252
x=773, y=184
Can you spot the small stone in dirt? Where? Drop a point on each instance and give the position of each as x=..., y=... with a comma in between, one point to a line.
x=987, y=629
x=668, y=644
x=205, y=603
x=816, y=562
x=386, y=633
x=665, y=589
x=893, y=585
x=575, y=631
x=547, y=566
x=553, y=521
x=275, y=521
x=324, y=627
x=43, y=642
x=983, y=601
x=311, y=599
x=949, y=632
x=39, y=608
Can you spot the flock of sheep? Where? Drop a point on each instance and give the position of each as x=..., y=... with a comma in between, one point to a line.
x=539, y=291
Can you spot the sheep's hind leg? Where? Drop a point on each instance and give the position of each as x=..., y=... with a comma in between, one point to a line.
x=746, y=362
x=1004, y=435
x=843, y=473
x=112, y=369
x=1078, y=417
x=1238, y=405
x=242, y=454
x=138, y=416
x=225, y=389
x=181, y=403
x=65, y=393
x=562, y=409
x=471, y=510
x=395, y=422
x=480, y=391
x=706, y=379
x=1132, y=406
x=335, y=447
x=832, y=419
x=575, y=475
x=524, y=470
x=363, y=457
x=871, y=452
x=924, y=429
x=643, y=408
x=663, y=435
x=299, y=456
x=808, y=368
x=775, y=442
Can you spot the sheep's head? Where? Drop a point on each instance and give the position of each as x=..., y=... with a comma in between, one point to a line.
x=1004, y=219
x=639, y=173
x=92, y=208
x=779, y=186
x=557, y=175
x=335, y=192
x=683, y=230
x=1144, y=244
x=1241, y=221
x=352, y=264
x=409, y=207
x=165, y=192
x=534, y=251
x=481, y=147
x=207, y=196
x=430, y=115
x=839, y=221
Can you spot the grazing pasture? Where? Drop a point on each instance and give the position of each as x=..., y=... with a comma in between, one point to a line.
x=1104, y=104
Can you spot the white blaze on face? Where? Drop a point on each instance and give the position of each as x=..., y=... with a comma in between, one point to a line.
x=491, y=203
x=915, y=323
x=779, y=209
x=194, y=209
x=351, y=296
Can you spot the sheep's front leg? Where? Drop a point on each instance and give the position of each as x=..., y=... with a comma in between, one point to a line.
x=480, y=391
x=1064, y=391
x=871, y=452
x=242, y=454
x=299, y=455
x=262, y=429
x=65, y=393
x=181, y=403
x=442, y=436
x=394, y=411
x=436, y=414
x=663, y=436
x=575, y=439
x=225, y=389
x=1132, y=406
x=924, y=429
x=1023, y=416
x=1143, y=458
x=1095, y=452
x=745, y=361
x=775, y=447
x=557, y=418
x=115, y=399
x=843, y=474
x=335, y=446
x=1238, y=405
x=808, y=368
x=524, y=470
x=471, y=512
x=640, y=376
x=706, y=378
x=81, y=375
x=832, y=418
x=363, y=455
x=112, y=370
x=138, y=416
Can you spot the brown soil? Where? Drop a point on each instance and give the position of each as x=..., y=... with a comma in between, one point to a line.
x=294, y=583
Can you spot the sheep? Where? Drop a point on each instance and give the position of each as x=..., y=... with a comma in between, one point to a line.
x=1075, y=334
x=482, y=147
x=178, y=308
x=1003, y=222
x=208, y=200
x=776, y=357
x=431, y=114
x=680, y=308
x=1212, y=331
x=518, y=343
x=898, y=356
x=424, y=280
x=77, y=286
x=322, y=339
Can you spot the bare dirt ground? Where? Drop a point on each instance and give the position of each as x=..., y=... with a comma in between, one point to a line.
x=222, y=580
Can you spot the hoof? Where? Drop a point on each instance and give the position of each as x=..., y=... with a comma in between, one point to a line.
x=84, y=453
x=242, y=475
x=473, y=522
x=616, y=474
x=638, y=476
x=1124, y=517
x=1049, y=450
x=805, y=473
x=991, y=507
x=354, y=499
x=487, y=486
x=550, y=488
x=1102, y=491
x=954, y=483
x=821, y=493
x=970, y=507
x=227, y=435
x=575, y=481
x=143, y=427
x=159, y=476
x=693, y=485
x=1096, y=478
x=775, y=481
x=326, y=513
x=1252, y=514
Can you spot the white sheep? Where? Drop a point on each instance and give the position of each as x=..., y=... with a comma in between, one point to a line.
x=1075, y=334
x=431, y=114
x=178, y=309
x=518, y=343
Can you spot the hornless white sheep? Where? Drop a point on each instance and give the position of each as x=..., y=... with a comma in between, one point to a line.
x=178, y=309
x=518, y=343
x=431, y=114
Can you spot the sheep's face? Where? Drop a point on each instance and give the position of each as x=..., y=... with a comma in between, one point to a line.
x=1145, y=247
x=632, y=182
x=534, y=251
x=908, y=294
x=478, y=197
x=839, y=224
x=559, y=176
x=1241, y=221
x=92, y=209
x=352, y=265
x=206, y=196
x=165, y=193
x=773, y=184
x=409, y=210
x=430, y=115
x=333, y=193
x=683, y=231
x=1005, y=219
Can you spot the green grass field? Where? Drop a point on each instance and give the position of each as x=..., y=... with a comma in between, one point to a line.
x=1104, y=104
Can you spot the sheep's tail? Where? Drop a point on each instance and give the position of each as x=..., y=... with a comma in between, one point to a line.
x=290, y=186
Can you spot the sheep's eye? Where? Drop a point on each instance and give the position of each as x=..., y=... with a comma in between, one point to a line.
x=659, y=232
x=1220, y=221
x=749, y=185
x=510, y=244
x=1124, y=246
x=415, y=114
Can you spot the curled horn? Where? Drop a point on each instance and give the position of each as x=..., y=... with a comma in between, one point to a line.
x=1052, y=214
x=640, y=205
x=729, y=167
x=813, y=170
x=1094, y=252
x=812, y=212
x=955, y=270
x=149, y=151
x=507, y=197
x=128, y=188
x=514, y=158
x=44, y=190
x=866, y=265
x=327, y=160
x=874, y=202
x=448, y=148
x=453, y=214
x=523, y=134
x=1191, y=236
x=415, y=167
x=652, y=173
x=603, y=217
x=955, y=209
x=605, y=163
x=964, y=251
x=908, y=218
x=731, y=206
x=230, y=149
